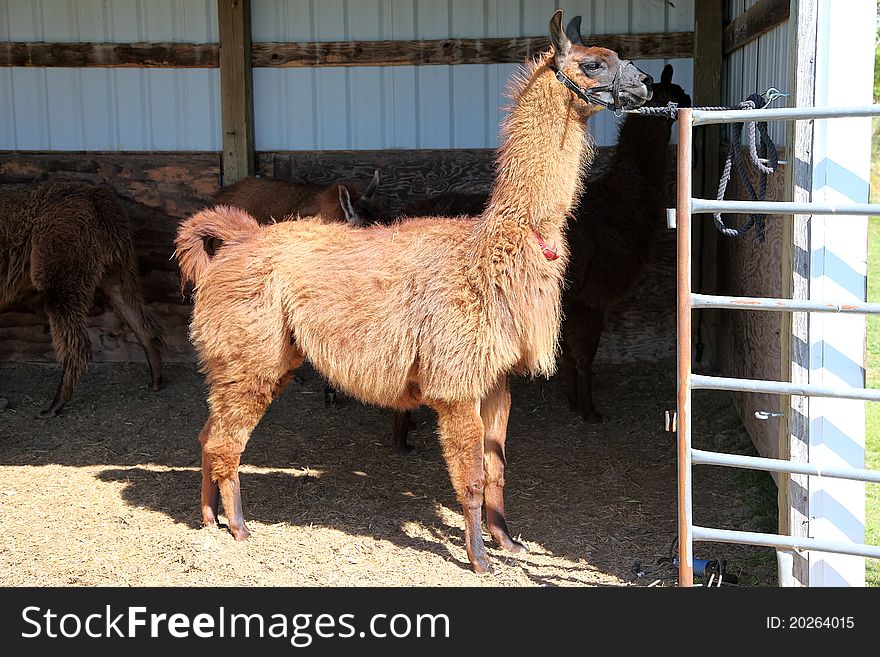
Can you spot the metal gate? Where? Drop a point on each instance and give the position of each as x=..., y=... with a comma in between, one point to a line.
x=688, y=381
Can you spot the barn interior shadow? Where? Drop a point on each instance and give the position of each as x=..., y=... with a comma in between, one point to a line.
x=598, y=495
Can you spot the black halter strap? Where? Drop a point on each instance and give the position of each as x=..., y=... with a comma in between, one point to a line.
x=592, y=95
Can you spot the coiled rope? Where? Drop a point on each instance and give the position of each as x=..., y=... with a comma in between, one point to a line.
x=734, y=158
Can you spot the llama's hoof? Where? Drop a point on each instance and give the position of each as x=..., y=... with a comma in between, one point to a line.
x=481, y=565
x=48, y=413
x=3, y=404
x=156, y=386
x=593, y=418
x=240, y=533
x=403, y=449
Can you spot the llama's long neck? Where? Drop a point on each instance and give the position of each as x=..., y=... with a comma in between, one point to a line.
x=542, y=155
x=642, y=147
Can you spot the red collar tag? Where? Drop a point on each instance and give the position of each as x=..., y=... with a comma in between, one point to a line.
x=548, y=251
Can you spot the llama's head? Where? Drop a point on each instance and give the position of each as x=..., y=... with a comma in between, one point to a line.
x=360, y=206
x=601, y=77
x=666, y=91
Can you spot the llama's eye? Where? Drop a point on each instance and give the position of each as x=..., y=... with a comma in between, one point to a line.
x=591, y=66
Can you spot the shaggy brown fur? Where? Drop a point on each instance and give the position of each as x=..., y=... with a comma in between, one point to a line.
x=269, y=199
x=65, y=240
x=429, y=311
x=612, y=238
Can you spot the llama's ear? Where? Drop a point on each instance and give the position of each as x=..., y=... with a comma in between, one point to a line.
x=371, y=188
x=666, y=75
x=561, y=44
x=347, y=208
x=573, y=31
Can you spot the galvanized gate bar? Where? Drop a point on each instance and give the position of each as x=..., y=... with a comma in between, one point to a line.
x=707, y=117
x=785, y=305
x=778, y=465
x=706, y=206
x=703, y=382
x=687, y=381
x=782, y=541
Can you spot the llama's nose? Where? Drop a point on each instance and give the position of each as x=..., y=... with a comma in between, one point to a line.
x=647, y=80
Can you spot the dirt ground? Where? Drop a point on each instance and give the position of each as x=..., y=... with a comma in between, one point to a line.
x=107, y=493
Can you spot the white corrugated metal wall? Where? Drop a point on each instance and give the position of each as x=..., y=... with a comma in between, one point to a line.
x=421, y=106
x=109, y=109
x=325, y=108
x=757, y=66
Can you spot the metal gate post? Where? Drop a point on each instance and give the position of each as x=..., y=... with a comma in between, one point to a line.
x=683, y=255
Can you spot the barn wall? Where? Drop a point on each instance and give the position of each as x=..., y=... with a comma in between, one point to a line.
x=106, y=109
x=757, y=66
x=421, y=106
x=327, y=108
x=749, y=342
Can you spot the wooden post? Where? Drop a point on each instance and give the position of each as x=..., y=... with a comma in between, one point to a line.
x=707, y=156
x=236, y=89
x=794, y=443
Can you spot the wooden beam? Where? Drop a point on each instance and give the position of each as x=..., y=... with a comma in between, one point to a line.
x=236, y=89
x=794, y=436
x=708, y=22
x=458, y=51
x=111, y=55
x=335, y=53
x=758, y=19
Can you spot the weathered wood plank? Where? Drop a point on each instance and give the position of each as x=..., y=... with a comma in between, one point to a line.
x=459, y=51
x=236, y=89
x=339, y=53
x=758, y=19
x=110, y=55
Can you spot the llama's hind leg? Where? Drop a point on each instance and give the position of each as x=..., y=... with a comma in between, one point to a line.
x=461, y=434
x=494, y=411
x=70, y=339
x=594, y=320
x=236, y=409
x=122, y=289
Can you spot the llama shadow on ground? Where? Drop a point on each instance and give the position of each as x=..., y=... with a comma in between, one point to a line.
x=585, y=496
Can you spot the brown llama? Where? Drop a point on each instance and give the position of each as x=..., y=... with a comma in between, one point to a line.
x=444, y=204
x=270, y=199
x=428, y=311
x=612, y=238
x=65, y=240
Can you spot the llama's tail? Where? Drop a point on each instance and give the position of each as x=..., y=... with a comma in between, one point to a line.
x=222, y=223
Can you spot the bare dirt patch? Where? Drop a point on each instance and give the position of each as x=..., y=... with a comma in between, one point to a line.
x=107, y=493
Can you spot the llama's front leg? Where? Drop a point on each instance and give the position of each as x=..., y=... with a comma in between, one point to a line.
x=461, y=434
x=495, y=410
x=402, y=424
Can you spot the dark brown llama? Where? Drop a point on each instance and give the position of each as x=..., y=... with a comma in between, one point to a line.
x=448, y=204
x=65, y=240
x=270, y=199
x=429, y=311
x=612, y=238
